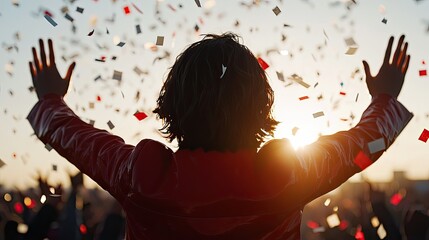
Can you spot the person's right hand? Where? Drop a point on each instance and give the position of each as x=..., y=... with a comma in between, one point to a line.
x=390, y=77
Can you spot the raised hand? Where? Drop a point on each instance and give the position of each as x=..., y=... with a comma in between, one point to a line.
x=391, y=75
x=46, y=78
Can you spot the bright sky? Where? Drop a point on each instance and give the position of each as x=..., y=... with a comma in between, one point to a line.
x=315, y=43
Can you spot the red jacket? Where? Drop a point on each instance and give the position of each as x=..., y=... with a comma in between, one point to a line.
x=217, y=195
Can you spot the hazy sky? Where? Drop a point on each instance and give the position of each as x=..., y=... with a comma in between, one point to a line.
x=312, y=45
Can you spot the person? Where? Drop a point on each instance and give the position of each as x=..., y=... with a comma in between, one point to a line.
x=221, y=183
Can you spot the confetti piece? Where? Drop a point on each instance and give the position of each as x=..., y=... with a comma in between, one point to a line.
x=312, y=224
x=303, y=98
x=171, y=7
x=223, y=71
x=117, y=75
x=198, y=3
x=396, y=199
x=138, y=29
x=126, y=10
x=140, y=115
x=362, y=161
x=318, y=114
x=138, y=71
x=262, y=63
x=159, y=40
x=90, y=33
x=315, y=85
x=277, y=10
x=280, y=76
x=375, y=222
x=423, y=73
x=351, y=50
x=110, y=124
x=381, y=232
x=107, y=31
x=350, y=42
x=2, y=163
x=138, y=9
x=50, y=20
x=376, y=145
x=54, y=167
x=333, y=220
x=294, y=131
x=98, y=98
x=91, y=122
x=384, y=21
x=68, y=17
x=357, y=96
x=48, y=147
x=424, y=136
x=319, y=230
x=299, y=80
x=79, y=9
x=327, y=202
x=91, y=105
x=120, y=44
x=343, y=93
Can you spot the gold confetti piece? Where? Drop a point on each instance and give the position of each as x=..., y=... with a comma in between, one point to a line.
x=111, y=125
x=159, y=41
x=318, y=114
x=375, y=222
x=91, y=105
x=350, y=41
x=351, y=51
x=294, y=131
x=117, y=75
x=2, y=163
x=277, y=10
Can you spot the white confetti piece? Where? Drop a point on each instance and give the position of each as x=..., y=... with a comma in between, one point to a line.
x=333, y=220
x=223, y=71
x=376, y=145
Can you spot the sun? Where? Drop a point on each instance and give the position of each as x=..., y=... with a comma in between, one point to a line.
x=301, y=138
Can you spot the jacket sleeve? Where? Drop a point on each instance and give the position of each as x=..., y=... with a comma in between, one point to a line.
x=326, y=164
x=102, y=156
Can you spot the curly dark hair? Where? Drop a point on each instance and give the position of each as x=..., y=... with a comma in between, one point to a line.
x=203, y=109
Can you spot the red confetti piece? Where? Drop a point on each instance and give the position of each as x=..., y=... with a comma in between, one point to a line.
x=423, y=73
x=424, y=136
x=140, y=115
x=82, y=229
x=262, y=63
x=18, y=207
x=343, y=93
x=359, y=234
x=423, y=62
x=362, y=161
x=396, y=199
x=303, y=98
x=343, y=225
x=98, y=98
x=126, y=10
x=46, y=12
x=171, y=7
x=312, y=224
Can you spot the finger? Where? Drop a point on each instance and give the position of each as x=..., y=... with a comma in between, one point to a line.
x=70, y=71
x=367, y=70
x=388, y=51
x=31, y=71
x=51, y=53
x=36, y=60
x=42, y=53
x=398, y=50
x=402, y=56
x=407, y=62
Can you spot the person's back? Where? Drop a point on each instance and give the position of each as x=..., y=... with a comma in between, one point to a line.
x=220, y=183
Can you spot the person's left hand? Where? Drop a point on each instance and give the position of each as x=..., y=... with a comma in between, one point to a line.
x=46, y=78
